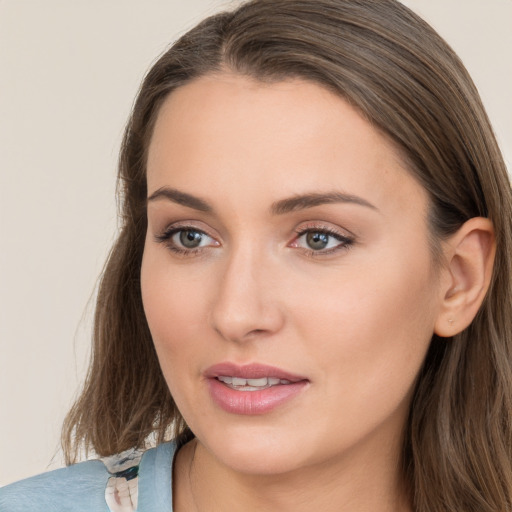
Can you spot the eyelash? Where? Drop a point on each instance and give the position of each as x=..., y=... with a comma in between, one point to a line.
x=346, y=242
x=166, y=238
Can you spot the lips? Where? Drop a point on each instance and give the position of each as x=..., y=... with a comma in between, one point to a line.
x=251, y=371
x=253, y=389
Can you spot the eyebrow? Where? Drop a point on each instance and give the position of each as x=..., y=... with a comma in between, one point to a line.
x=304, y=201
x=292, y=204
x=182, y=198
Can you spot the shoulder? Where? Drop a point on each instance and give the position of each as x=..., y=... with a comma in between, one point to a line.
x=77, y=487
x=83, y=486
x=155, y=478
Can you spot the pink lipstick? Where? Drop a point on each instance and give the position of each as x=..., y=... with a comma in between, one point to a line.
x=252, y=389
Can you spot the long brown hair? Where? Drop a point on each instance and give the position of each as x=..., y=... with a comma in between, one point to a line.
x=403, y=78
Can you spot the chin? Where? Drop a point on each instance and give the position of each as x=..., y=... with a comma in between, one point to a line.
x=256, y=451
x=256, y=460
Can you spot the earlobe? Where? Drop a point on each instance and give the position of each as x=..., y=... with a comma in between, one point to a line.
x=469, y=257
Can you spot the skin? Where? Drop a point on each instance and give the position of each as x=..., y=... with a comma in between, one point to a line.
x=356, y=321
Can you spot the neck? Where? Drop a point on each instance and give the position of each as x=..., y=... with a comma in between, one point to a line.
x=204, y=484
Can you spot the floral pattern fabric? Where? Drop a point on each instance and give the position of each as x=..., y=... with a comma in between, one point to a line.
x=121, y=493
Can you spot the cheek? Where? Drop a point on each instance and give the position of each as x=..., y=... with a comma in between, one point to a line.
x=170, y=305
x=175, y=304
x=369, y=332
x=163, y=309
x=391, y=298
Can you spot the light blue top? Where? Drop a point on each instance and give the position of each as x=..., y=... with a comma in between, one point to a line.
x=81, y=487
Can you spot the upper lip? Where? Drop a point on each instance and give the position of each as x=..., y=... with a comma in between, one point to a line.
x=250, y=371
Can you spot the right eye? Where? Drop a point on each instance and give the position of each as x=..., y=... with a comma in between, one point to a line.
x=189, y=239
x=186, y=239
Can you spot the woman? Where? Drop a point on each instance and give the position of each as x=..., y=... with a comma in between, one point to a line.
x=311, y=290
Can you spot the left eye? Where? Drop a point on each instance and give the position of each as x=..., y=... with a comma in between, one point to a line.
x=318, y=240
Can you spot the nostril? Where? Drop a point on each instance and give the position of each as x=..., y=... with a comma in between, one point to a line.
x=255, y=331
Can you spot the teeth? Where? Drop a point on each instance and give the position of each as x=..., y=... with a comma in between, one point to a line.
x=264, y=382
x=258, y=382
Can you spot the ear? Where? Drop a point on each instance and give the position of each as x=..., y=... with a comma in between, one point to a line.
x=469, y=255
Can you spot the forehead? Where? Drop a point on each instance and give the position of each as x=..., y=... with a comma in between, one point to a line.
x=227, y=134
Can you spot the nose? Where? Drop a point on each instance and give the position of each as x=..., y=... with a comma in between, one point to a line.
x=246, y=305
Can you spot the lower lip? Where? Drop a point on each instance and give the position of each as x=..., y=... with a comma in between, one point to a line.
x=253, y=402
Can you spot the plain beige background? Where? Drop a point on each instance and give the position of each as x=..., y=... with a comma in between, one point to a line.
x=69, y=71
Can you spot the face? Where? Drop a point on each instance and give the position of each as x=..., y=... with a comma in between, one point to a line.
x=287, y=277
